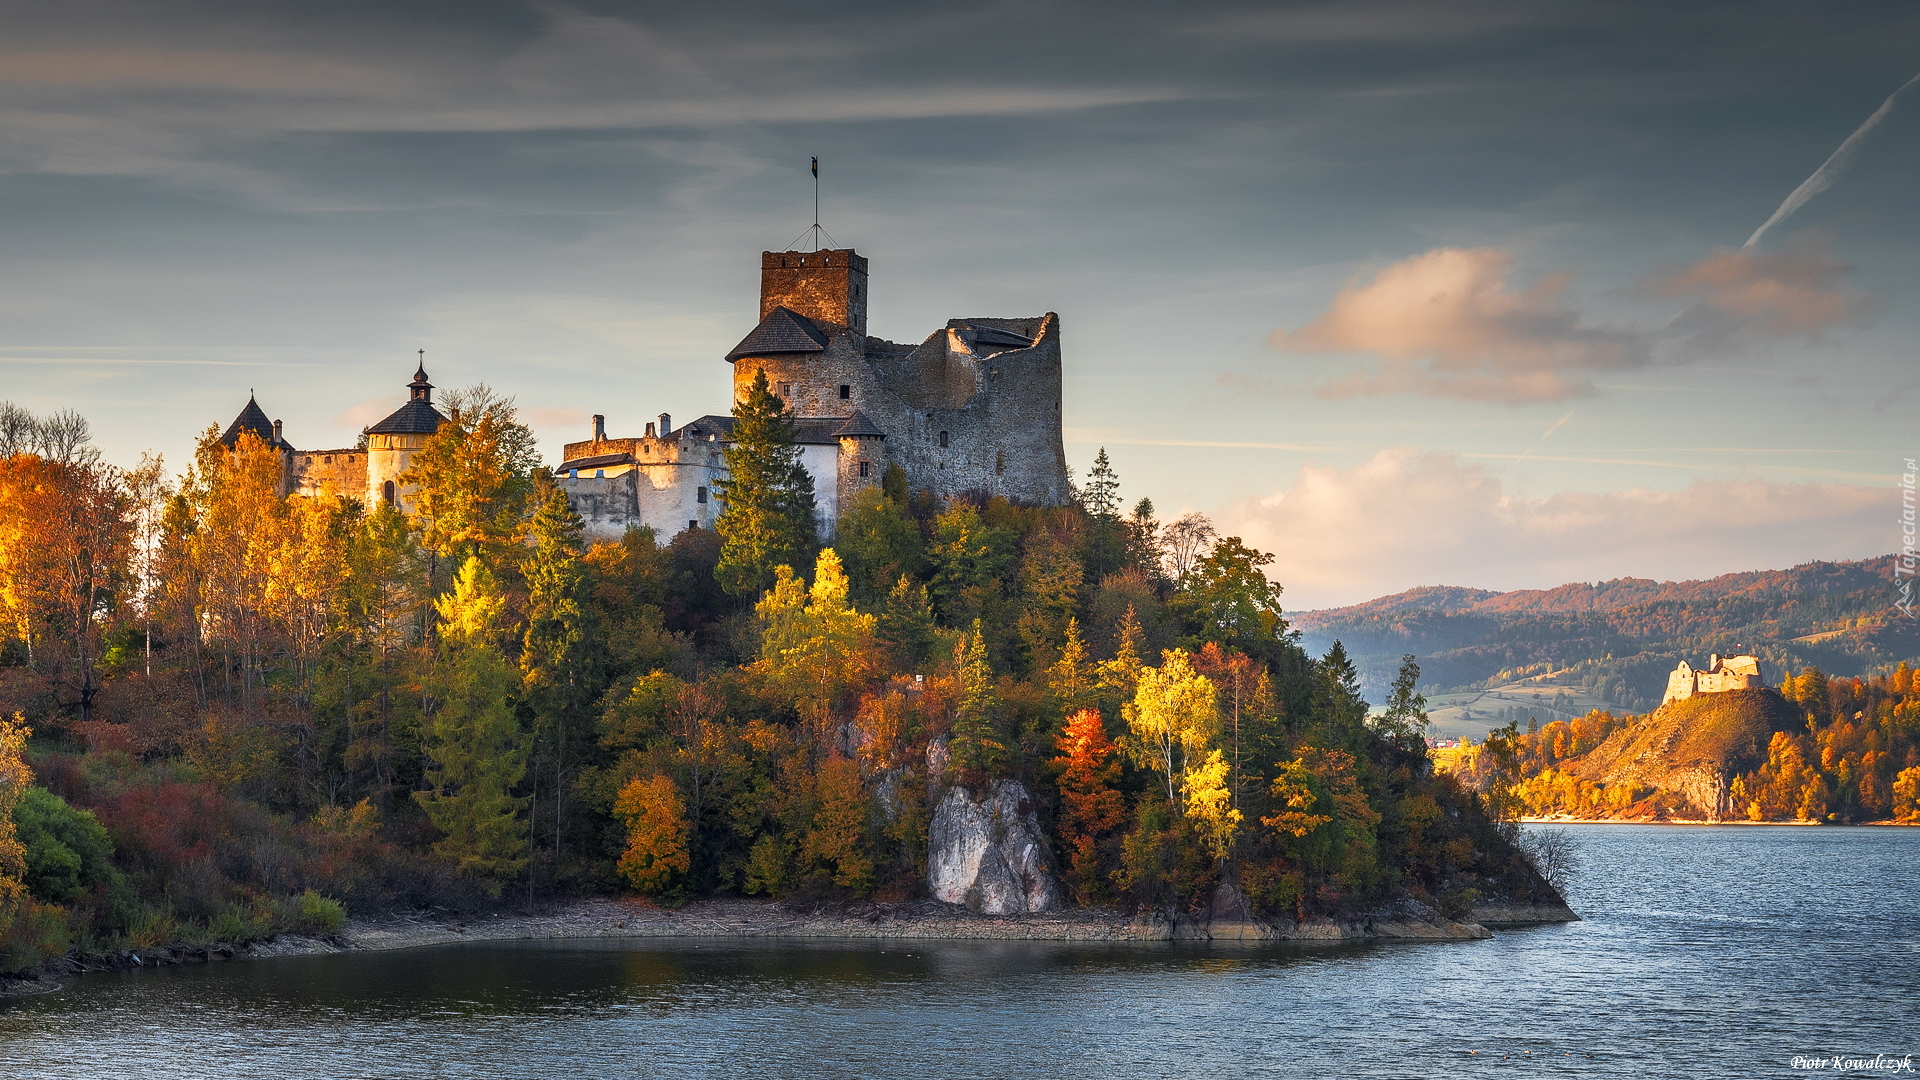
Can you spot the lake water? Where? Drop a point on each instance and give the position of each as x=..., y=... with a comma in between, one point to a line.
x=1705, y=952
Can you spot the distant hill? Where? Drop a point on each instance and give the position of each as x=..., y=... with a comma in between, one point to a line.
x=1692, y=748
x=1493, y=656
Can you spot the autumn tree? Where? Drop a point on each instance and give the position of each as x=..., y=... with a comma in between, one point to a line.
x=767, y=504
x=814, y=643
x=475, y=477
x=1091, y=807
x=656, y=821
x=473, y=741
x=1172, y=719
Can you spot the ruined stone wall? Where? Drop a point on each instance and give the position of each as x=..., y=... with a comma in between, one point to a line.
x=1000, y=411
x=328, y=473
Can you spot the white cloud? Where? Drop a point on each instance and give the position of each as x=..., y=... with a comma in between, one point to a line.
x=1405, y=518
x=1749, y=298
x=1446, y=324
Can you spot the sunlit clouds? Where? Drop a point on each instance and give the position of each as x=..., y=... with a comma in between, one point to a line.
x=1405, y=518
x=1449, y=323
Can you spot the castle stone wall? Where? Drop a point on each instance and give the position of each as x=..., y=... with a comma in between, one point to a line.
x=329, y=473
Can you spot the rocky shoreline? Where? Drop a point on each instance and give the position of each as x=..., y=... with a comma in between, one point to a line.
x=614, y=920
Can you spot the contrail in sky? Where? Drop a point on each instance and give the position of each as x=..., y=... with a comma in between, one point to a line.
x=1557, y=425
x=1831, y=170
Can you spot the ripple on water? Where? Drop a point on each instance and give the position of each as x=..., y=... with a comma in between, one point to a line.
x=1706, y=952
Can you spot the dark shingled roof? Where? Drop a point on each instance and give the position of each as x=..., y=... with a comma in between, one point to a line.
x=993, y=335
x=807, y=430
x=598, y=461
x=859, y=425
x=782, y=331
x=414, y=418
x=253, y=419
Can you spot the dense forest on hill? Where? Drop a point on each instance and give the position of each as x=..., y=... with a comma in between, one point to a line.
x=1619, y=639
x=1819, y=749
x=236, y=713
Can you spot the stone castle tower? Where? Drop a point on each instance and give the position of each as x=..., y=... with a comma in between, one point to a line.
x=974, y=409
x=370, y=473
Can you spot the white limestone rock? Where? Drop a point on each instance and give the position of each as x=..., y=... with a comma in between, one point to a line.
x=987, y=852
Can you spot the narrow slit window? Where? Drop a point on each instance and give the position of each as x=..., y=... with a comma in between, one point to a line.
x=943, y=440
x=386, y=492
x=700, y=495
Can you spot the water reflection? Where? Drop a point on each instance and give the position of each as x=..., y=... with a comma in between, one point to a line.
x=1707, y=952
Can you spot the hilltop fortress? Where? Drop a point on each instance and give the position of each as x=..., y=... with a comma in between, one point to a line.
x=1721, y=674
x=974, y=409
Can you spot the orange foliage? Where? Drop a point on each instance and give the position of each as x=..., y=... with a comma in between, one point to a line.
x=656, y=820
x=1090, y=808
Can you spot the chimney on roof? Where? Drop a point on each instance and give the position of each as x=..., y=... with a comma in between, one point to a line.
x=650, y=429
x=666, y=425
x=599, y=427
x=277, y=441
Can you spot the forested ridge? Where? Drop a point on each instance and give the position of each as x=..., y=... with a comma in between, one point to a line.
x=1819, y=749
x=236, y=714
x=1618, y=639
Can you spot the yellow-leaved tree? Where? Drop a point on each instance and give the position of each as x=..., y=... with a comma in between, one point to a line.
x=474, y=745
x=1171, y=720
x=815, y=645
x=15, y=778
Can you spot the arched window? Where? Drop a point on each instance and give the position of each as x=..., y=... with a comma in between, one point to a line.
x=386, y=492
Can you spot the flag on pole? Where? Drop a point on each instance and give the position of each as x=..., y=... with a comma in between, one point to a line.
x=816, y=168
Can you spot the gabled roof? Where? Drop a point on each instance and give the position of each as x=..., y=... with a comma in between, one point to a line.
x=597, y=461
x=253, y=419
x=807, y=430
x=783, y=331
x=857, y=426
x=416, y=417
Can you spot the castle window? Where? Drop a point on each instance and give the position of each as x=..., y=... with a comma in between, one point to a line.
x=845, y=391
x=599, y=474
x=784, y=389
x=943, y=440
x=386, y=492
x=865, y=468
x=573, y=474
x=700, y=495
x=999, y=463
x=692, y=524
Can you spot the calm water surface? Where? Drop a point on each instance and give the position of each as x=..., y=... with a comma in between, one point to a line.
x=1705, y=952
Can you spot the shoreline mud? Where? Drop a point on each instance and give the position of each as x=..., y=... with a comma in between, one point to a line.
x=608, y=919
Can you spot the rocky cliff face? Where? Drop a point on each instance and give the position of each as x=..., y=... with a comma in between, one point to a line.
x=1693, y=747
x=986, y=851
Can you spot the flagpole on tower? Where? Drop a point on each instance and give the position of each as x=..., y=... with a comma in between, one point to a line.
x=815, y=232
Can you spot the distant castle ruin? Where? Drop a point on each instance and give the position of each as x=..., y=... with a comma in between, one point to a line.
x=975, y=409
x=1721, y=674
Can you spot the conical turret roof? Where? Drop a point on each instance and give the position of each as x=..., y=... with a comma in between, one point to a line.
x=251, y=419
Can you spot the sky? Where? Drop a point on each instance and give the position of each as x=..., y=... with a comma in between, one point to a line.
x=1407, y=293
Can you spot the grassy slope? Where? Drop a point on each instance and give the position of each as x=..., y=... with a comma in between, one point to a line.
x=1686, y=746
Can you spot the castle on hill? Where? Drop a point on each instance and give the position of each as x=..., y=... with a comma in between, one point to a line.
x=1721, y=674
x=974, y=409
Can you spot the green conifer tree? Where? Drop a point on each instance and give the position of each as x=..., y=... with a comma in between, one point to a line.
x=474, y=746
x=767, y=507
x=560, y=674
x=976, y=745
